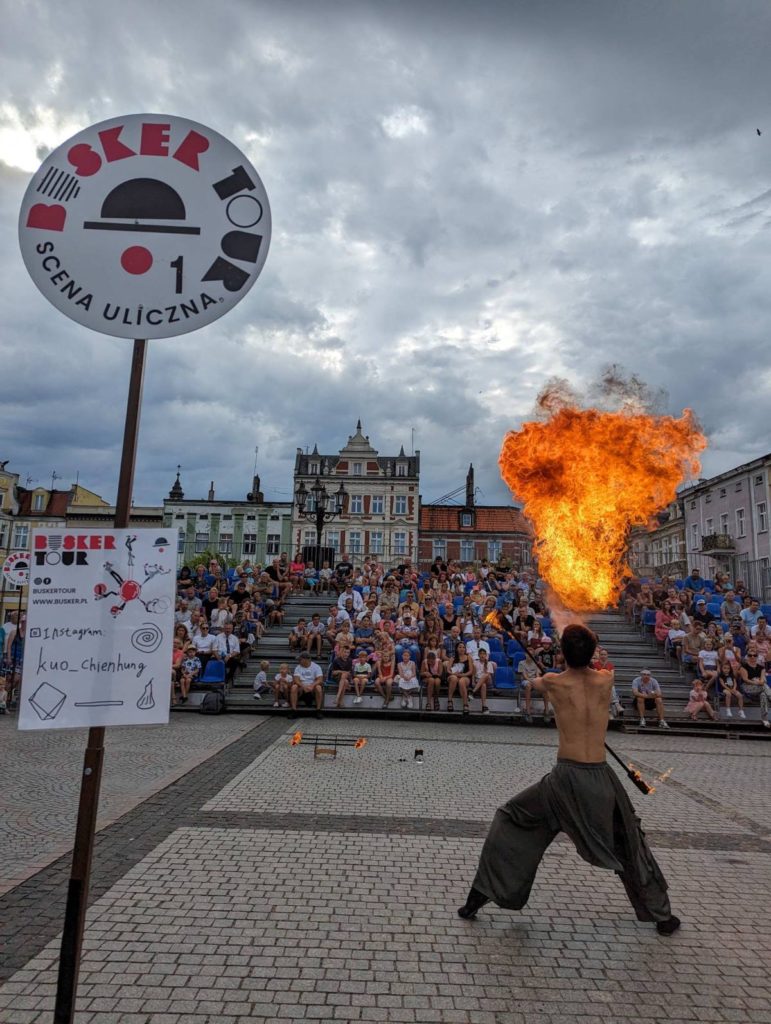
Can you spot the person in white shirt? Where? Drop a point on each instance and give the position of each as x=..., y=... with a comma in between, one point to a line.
x=484, y=674
x=203, y=642
x=227, y=647
x=307, y=685
x=477, y=644
x=349, y=594
x=407, y=679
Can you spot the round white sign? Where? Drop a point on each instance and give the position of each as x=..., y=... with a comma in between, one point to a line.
x=145, y=226
x=16, y=568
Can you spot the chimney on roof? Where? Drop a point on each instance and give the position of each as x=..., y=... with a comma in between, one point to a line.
x=211, y=492
x=470, y=486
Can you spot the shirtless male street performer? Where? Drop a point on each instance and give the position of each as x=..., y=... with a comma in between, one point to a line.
x=581, y=796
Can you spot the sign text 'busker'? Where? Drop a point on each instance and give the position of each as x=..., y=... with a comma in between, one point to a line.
x=100, y=622
x=145, y=226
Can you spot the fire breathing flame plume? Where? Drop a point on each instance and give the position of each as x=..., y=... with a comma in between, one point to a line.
x=360, y=742
x=296, y=739
x=585, y=477
x=664, y=776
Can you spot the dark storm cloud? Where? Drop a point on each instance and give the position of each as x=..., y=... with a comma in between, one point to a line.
x=467, y=198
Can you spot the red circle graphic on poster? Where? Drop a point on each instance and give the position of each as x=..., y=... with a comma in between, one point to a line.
x=145, y=226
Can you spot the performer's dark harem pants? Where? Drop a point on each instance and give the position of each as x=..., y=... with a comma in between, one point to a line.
x=589, y=804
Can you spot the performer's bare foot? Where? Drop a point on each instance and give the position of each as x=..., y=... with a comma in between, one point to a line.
x=474, y=902
x=669, y=926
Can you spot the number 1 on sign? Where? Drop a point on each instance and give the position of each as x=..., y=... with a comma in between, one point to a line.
x=177, y=265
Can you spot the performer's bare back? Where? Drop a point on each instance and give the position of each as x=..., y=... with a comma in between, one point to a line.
x=580, y=698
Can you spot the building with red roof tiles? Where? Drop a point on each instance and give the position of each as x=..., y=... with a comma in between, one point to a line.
x=469, y=532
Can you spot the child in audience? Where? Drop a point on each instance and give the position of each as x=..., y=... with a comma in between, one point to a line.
x=407, y=679
x=261, y=680
x=281, y=683
x=362, y=673
x=699, y=701
x=298, y=636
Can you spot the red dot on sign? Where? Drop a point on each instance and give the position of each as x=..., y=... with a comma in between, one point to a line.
x=136, y=259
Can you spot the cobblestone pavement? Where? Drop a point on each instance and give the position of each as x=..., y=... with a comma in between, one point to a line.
x=265, y=886
x=41, y=779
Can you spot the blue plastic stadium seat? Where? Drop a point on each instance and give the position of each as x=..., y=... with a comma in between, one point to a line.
x=457, y=602
x=499, y=658
x=766, y=610
x=679, y=584
x=714, y=608
x=504, y=678
x=513, y=648
x=495, y=644
x=214, y=673
x=517, y=660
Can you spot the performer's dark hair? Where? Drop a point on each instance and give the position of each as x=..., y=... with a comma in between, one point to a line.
x=578, y=645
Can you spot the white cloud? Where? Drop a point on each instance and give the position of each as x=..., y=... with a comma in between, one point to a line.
x=541, y=190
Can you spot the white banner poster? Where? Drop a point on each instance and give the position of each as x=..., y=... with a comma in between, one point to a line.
x=100, y=624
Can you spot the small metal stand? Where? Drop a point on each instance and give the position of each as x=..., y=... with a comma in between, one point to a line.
x=330, y=744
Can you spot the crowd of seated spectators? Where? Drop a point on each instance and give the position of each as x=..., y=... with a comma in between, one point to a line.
x=396, y=631
x=718, y=632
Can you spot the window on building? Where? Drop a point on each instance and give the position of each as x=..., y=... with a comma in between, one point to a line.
x=709, y=526
x=759, y=478
x=377, y=504
x=693, y=504
x=439, y=549
x=357, y=469
x=3, y=496
x=400, y=505
x=762, y=517
x=467, y=551
x=399, y=542
x=332, y=504
x=333, y=540
x=180, y=543
x=3, y=534
x=226, y=544
x=722, y=492
x=494, y=549
x=21, y=536
x=694, y=536
x=309, y=539
x=708, y=498
x=38, y=503
x=180, y=515
x=738, y=487
x=376, y=542
x=273, y=544
x=201, y=542
x=740, y=524
x=354, y=542
x=724, y=522
x=250, y=543
x=357, y=504
x=313, y=468
x=310, y=503
x=466, y=519
x=401, y=469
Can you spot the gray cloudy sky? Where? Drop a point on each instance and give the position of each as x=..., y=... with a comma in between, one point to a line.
x=467, y=199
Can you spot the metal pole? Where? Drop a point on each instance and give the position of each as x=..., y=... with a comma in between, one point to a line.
x=80, y=875
x=16, y=687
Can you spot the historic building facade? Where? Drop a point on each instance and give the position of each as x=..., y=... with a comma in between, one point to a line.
x=232, y=530
x=469, y=532
x=380, y=514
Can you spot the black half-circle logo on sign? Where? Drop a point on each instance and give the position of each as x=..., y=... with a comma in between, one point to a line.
x=139, y=201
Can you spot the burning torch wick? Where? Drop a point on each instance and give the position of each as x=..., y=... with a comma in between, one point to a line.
x=297, y=738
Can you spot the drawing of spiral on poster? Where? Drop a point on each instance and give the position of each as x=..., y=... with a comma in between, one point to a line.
x=147, y=638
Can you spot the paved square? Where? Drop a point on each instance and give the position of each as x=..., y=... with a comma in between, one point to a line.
x=295, y=890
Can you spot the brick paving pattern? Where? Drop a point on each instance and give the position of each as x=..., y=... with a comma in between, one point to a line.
x=263, y=886
x=41, y=779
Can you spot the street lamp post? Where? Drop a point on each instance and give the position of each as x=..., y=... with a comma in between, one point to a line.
x=320, y=513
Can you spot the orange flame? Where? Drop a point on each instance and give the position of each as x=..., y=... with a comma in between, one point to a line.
x=297, y=738
x=664, y=775
x=360, y=742
x=585, y=478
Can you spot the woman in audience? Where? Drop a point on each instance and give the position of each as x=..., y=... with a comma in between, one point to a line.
x=460, y=672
